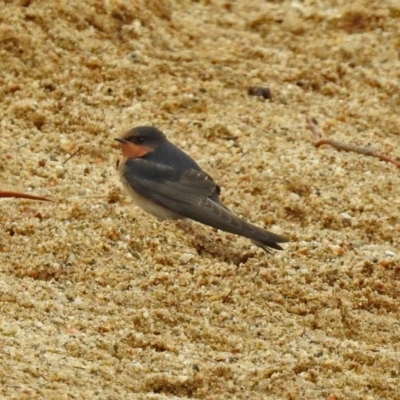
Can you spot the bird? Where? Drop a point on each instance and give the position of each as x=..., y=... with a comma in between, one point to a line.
x=167, y=183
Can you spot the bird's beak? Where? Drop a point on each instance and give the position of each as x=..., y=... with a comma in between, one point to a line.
x=121, y=140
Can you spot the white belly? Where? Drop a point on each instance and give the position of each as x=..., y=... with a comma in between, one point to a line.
x=149, y=206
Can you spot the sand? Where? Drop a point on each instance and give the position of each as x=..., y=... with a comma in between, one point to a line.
x=101, y=301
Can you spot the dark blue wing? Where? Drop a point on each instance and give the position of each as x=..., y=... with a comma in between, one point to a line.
x=192, y=194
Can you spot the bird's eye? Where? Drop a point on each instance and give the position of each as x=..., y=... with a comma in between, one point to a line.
x=140, y=139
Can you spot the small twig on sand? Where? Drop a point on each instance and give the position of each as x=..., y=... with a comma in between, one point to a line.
x=23, y=196
x=368, y=151
x=72, y=155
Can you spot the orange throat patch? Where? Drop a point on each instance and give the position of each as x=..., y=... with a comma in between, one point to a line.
x=131, y=150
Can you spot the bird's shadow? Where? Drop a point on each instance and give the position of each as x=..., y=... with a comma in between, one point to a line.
x=214, y=245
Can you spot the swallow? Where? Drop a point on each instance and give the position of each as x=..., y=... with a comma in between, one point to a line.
x=167, y=183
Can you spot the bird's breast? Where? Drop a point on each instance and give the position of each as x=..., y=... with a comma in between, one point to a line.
x=147, y=204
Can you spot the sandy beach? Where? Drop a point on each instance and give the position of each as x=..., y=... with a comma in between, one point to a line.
x=99, y=300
